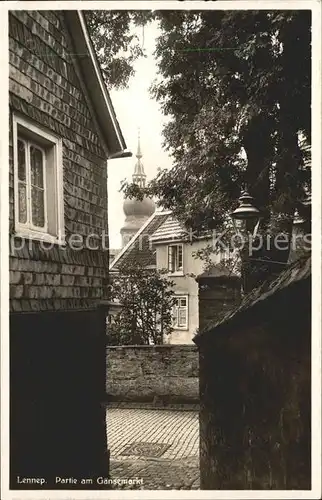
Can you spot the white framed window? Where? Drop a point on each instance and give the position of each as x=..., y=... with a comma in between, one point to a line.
x=38, y=182
x=180, y=312
x=175, y=258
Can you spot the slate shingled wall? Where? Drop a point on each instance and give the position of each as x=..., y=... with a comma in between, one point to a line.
x=46, y=87
x=57, y=334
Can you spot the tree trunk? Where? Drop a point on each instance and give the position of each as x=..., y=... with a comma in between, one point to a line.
x=258, y=146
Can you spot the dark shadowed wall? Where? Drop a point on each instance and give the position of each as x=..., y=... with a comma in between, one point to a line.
x=255, y=388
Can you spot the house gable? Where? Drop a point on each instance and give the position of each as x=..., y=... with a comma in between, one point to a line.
x=169, y=231
x=173, y=231
x=47, y=89
x=88, y=67
x=62, y=51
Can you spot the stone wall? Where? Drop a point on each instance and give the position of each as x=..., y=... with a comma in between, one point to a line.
x=166, y=373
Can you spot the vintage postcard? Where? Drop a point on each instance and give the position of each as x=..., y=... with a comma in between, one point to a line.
x=160, y=258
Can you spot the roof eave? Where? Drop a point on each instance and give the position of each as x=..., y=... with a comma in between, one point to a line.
x=179, y=239
x=166, y=241
x=292, y=275
x=94, y=81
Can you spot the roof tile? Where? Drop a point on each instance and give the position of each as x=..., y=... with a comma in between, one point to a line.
x=139, y=250
x=171, y=229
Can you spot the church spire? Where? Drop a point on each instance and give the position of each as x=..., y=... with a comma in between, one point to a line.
x=138, y=153
x=139, y=175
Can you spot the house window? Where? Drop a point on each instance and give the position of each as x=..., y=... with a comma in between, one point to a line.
x=38, y=182
x=175, y=258
x=180, y=313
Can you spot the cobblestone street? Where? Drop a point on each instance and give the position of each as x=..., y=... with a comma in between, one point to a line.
x=158, y=448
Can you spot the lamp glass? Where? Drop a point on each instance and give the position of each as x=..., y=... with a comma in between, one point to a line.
x=246, y=217
x=252, y=225
x=239, y=225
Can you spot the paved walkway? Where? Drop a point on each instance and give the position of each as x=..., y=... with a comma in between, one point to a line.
x=153, y=449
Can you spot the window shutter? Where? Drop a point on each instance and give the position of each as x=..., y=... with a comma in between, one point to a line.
x=179, y=257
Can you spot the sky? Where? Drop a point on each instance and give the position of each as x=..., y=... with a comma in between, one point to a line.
x=136, y=109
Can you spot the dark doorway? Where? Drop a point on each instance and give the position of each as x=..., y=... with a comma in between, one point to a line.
x=57, y=386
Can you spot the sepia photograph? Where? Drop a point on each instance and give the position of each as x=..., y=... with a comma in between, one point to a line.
x=159, y=178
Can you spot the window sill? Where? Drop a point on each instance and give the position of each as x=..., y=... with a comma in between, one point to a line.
x=179, y=329
x=176, y=273
x=29, y=234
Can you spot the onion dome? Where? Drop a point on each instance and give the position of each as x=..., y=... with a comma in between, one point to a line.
x=137, y=208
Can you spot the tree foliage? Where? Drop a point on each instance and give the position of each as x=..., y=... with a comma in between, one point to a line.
x=236, y=88
x=146, y=300
x=233, y=82
x=116, y=43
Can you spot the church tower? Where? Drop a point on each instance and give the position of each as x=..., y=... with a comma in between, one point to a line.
x=136, y=212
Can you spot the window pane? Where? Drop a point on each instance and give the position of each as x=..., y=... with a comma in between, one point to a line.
x=175, y=258
x=36, y=166
x=182, y=316
x=174, y=315
x=22, y=203
x=183, y=302
x=37, y=207
x=21, y=161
